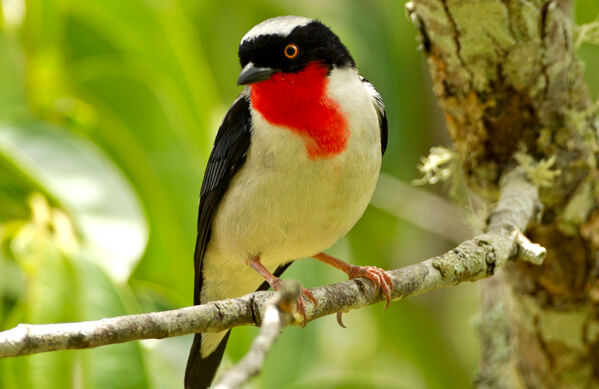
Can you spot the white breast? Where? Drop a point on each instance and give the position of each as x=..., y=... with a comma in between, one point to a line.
x=282, y=205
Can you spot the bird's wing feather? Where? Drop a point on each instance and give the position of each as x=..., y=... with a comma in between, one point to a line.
x=227, y=157
x=379, y=105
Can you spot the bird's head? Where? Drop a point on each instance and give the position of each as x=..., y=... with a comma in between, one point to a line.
x=287, y=45
x=288, y=63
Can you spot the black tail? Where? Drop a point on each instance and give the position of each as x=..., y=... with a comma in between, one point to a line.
x=200, y=371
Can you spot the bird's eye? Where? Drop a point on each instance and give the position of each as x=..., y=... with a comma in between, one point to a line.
x=291, y=51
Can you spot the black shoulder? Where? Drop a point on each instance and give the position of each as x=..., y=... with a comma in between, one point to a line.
x=379, y=105
x=227, y=157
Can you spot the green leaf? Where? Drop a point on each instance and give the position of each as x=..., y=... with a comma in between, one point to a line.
x=87, y=185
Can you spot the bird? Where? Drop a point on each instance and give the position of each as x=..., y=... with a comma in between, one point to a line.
x=293, y=167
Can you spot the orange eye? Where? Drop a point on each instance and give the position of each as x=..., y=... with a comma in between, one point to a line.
x=291, y=51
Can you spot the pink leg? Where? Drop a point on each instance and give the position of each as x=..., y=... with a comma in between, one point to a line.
x=378, y=276
x=275, y=283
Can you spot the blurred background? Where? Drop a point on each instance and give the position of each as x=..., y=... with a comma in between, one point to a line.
x=108, y=110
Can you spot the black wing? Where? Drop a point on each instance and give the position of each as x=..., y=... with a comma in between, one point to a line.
x=384, y=130
x=227, y=157
x=379, y=105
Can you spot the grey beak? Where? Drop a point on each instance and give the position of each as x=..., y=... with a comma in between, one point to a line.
x=251, y=74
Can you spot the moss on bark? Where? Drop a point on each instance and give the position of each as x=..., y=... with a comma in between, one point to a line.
x=507, y=77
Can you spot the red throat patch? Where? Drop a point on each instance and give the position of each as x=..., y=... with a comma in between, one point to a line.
x=299, y=101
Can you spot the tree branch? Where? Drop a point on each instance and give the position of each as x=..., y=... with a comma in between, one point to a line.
x=471, y=260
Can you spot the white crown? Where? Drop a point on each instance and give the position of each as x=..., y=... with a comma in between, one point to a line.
x=281, y=25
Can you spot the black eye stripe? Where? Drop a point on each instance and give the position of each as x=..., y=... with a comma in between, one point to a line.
x=313, y=42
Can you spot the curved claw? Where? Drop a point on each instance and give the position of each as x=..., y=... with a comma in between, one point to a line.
x=379, y=278
x=301, y=307
x=340, y=320
x=307, y=294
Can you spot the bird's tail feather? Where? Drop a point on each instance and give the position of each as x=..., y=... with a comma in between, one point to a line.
x=200, y=371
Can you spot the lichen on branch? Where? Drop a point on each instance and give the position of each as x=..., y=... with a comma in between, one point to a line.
x=507, y=77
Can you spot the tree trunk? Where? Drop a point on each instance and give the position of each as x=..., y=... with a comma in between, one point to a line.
x=507, y=77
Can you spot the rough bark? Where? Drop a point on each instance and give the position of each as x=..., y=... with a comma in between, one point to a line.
x=508, y=80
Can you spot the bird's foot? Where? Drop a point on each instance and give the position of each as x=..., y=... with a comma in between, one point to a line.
x=378, y=276
x=301, y=307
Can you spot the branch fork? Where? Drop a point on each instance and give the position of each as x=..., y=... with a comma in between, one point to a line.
x=277, y=314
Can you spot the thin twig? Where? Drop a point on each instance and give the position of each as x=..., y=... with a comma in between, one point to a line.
x=277, y=314
x=471, y=260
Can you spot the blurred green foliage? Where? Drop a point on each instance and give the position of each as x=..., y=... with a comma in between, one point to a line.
x=107, y=114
